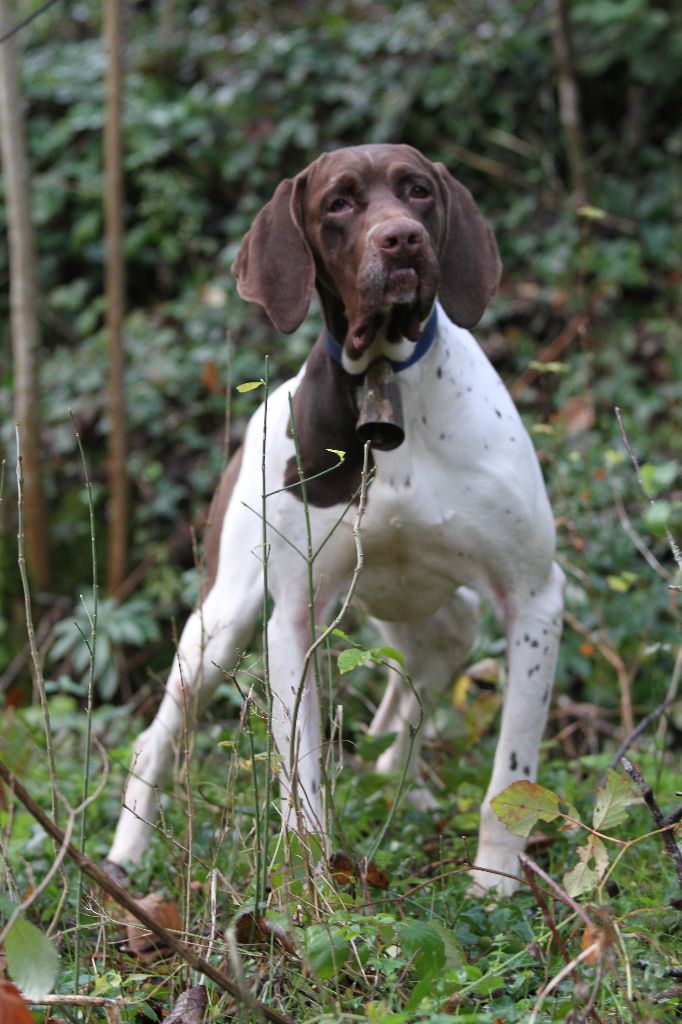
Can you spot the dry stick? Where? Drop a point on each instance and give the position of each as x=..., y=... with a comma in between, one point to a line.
x=359, y=563
x=646, y=553
x=59, y=855
x=624, y=674
x=672, y=691
x=674, y=546
x=66, y=1000
x=547, y=914
x=38, y=678
x=644, y=724
x=121, y=897
x=650, y=800
x=558, y=978
x=563, y=896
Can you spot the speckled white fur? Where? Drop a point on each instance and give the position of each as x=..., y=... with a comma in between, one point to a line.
x=457, y=512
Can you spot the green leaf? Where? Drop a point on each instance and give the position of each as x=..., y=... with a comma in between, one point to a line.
x=420, y=940
x=250, y=385
x=522, y=804
x=337, y=451
x=584, y=877
x=621, y=584
x=370, y=747
x=32, y=959
x=657, y=516
x=390, y=653
x=354, y=657
x=657, y=478
x=613, y=797
x=326, y=950
x=551, y=367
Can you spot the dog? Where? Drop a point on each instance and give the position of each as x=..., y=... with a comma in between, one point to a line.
x=455, y=508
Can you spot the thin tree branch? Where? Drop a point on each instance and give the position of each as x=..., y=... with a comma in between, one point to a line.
x=650, y=800
x=101, y=879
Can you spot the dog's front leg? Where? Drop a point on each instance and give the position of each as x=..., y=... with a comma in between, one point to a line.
x=533, y=633
x=295, y=718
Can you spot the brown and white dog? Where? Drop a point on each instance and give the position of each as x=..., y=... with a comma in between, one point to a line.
x=403, y=264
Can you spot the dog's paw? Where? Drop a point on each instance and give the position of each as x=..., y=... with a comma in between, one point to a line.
x=116, y=873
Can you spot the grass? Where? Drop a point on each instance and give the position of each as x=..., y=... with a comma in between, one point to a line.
x=414, y=947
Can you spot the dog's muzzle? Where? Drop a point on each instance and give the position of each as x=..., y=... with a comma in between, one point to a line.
x=381, y=412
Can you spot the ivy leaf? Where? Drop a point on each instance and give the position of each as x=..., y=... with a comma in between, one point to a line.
x=326, y=950
x=583, y=877
x=522, y=804
x=32, y=959
x=612, y=798
x=420, y=940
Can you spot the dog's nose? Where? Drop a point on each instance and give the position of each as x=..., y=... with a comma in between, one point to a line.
x=400, y=238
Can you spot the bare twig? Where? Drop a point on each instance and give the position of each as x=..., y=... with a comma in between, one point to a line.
x=546, y=913
x=674, y=546
x=569, y=101
x=643, y=725
x=60, y=854
x=558, y=978
x=561, y=893
x=119, y=894
x=672, y=691
x=650, y=800
x=58, y=999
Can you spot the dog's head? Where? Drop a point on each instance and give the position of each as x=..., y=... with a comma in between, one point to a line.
x=381, y=231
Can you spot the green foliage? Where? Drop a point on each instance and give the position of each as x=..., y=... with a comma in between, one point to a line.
x=130, y=623
x=32, y=958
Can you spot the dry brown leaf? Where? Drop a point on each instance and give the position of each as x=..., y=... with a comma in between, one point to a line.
x=600, y=934
x=342, y=868
x=143, y=943
x=376, y=877
x=13, y=1008
x=190, y=1007
x=210, y=378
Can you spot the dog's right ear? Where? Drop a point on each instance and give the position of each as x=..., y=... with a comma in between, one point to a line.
x=275, y=266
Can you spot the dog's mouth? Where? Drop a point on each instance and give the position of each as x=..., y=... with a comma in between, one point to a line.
x=399, y=320
x=394, y=310
x=402, y=285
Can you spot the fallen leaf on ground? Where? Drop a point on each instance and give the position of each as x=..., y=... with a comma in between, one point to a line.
x=143, y=943
x=190, y=1007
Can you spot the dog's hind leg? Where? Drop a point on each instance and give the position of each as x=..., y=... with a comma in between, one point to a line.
x=434, y=650
x=211, y=645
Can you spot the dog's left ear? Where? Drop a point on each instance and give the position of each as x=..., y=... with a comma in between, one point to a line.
x=470, y=265
x=274, y=265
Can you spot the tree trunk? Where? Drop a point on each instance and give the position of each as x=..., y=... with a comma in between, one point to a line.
x=24, y=324
x=117, y=553
x=569, y=101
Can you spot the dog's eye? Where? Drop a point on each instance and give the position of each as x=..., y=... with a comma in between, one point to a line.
x=419, y=192
x=339, y=205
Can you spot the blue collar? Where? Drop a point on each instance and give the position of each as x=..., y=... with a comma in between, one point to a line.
x=422, y=345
